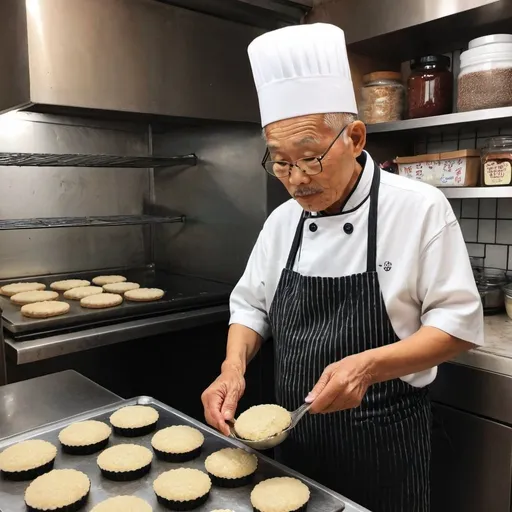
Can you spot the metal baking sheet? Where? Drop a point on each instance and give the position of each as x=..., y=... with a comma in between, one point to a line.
x=12, y=493
x=181, y=292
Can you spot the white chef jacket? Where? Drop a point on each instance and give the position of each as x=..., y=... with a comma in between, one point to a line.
x=422, y=261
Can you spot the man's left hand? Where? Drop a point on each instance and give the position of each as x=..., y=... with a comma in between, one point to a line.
x=341, y=386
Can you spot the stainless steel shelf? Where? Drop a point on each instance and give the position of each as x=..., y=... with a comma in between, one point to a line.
x=447, y=123
x=75, y=222
x=79, y=160
x=476, y=192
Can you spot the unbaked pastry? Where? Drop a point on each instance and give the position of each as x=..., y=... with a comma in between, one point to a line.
x=102, y=280
x=101, y=300
x=81, y=292
x=20, y=299
x=68, y=284
x=144, y=294
x=45, y=309
x=14, y=288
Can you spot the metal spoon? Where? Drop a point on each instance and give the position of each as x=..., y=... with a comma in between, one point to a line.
x=272, y=441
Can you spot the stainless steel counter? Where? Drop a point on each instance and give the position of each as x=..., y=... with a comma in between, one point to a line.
x=496, y=354
x=35, y=402
x=22, y=352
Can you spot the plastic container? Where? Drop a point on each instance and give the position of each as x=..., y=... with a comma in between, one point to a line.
x=450, y=169
x=490, y=39
x=430, y=87
x=383, y=97
x=485, y=77
x=497, y=162
x=491, y=283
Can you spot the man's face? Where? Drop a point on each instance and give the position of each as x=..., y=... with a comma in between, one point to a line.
x=309, y=136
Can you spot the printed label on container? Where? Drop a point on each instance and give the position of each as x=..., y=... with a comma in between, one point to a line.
x=497, y=173
x=440, y=173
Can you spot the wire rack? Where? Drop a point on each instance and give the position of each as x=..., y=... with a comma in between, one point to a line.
x=75, y=222
x=78, y=160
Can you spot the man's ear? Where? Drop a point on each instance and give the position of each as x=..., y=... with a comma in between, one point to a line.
x=356, y=131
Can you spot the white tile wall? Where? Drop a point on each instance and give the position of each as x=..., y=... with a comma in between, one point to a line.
x=487, y=228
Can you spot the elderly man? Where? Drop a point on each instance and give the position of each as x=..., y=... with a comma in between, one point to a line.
x=362, y=279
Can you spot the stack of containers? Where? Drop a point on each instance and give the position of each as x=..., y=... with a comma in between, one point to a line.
x=485, y=78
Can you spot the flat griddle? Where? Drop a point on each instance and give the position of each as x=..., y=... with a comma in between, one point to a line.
x=181, y=293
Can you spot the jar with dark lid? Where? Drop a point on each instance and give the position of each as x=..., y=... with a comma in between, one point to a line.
x=497, y=162
x=430, y=87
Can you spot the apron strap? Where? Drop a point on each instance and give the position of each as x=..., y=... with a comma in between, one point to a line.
x=297, y=239
x=371, y=262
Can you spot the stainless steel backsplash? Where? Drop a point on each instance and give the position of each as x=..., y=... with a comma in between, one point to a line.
x=27, y=192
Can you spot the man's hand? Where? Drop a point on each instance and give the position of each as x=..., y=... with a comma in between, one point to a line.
x=221, y=398
x=341, y=386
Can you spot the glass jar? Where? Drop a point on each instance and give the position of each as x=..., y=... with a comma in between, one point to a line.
x=430, y=87
x=497, y=162
x=383, y=97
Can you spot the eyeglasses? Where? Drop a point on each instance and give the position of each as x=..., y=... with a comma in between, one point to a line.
x=308, y=165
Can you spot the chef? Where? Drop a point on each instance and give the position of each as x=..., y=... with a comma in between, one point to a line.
x=362, y=279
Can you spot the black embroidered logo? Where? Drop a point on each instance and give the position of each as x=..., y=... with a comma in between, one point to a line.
x=387, y=266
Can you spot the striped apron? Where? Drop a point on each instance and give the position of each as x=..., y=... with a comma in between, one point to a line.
x=377, y=454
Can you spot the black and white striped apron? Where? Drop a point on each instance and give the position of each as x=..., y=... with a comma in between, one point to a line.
x=377, y=454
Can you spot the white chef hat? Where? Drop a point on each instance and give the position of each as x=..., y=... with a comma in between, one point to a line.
x=300, y=70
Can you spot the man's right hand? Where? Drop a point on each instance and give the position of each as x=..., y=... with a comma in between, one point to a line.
x=220, y=400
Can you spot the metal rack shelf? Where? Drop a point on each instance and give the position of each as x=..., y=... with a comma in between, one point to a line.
x=476, y=192
x=492, y=117
x=75, y=222
x=79, y=160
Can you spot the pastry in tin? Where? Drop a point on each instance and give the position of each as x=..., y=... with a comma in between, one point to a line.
x=125, y=462
x=231, y=467
x=84, y=437
x=182, y=489
x=27, y=460
x=281, y=494
x=179, y=443
x=123, y=504
x=134, y=420
x=60, y=490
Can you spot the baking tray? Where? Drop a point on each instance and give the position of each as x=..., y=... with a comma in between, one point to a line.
x=181, y=292
x=12, y=493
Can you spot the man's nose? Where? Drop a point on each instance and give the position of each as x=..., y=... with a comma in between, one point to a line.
x=298, y=176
